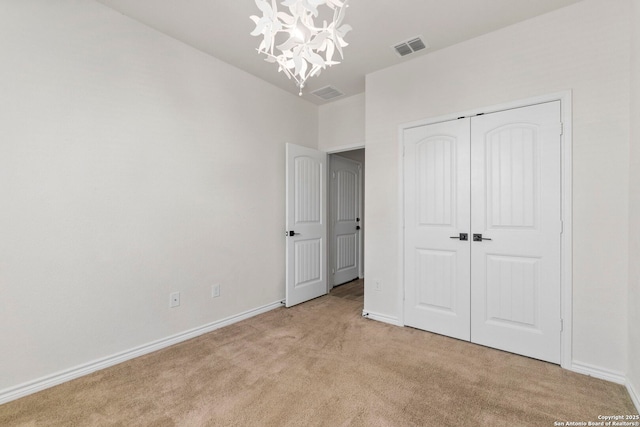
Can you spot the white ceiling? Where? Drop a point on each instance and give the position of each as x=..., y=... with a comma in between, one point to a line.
x=221, y=28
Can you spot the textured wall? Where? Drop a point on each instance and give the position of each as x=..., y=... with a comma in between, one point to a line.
x=634, y=211
x=583, y=48
x=131, y=166
x=341, y=123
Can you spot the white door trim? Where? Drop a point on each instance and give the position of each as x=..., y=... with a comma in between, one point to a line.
x=351, y=147
x=565, y=99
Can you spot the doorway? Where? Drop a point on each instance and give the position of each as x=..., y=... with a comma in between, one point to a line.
x=324, y=237
x=346, y=217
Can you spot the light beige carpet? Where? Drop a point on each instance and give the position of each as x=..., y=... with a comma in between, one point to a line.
x=322, y=364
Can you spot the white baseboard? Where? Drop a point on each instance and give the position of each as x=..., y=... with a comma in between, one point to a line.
x=598, y=372
x=635, y=396
x=382, y=318
x=43, y=383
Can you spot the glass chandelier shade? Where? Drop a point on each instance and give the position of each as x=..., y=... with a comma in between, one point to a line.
x=301, y=47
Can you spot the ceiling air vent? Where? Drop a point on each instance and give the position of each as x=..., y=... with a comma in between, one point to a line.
x=410, y=46
x=327, y=93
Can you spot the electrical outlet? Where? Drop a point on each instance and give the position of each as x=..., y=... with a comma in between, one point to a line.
x=174, y=299
x=215, y=291
x=378, y=285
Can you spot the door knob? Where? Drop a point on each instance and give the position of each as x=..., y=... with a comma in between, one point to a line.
x=462, y=236
x=290, y=233
x=357, y=227
x=479, y=238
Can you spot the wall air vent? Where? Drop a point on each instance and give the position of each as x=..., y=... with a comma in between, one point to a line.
x=327, y=93
x=410, y=46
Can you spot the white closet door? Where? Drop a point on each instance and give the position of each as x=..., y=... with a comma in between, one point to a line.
x=436, y=212
x=306, y=222
x=516, y=196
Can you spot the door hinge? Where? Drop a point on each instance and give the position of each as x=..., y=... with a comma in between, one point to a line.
x=333, y=271
x=561, y=128
x=561, y=227
x=561, y=325
x=333, y=175
x=404, y=148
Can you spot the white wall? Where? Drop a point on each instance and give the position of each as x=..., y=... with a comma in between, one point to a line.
x=341, y=124
x=131, y=166
x=634, y=211
x=585, y=48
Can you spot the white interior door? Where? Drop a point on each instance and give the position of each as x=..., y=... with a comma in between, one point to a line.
x=345, y=216
x=497, y=177
x=437, y=200
x=516, y=196
x=306, y=225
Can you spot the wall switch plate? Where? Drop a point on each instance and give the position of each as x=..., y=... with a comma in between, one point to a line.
x=215, y=291
x=377, y=285
x=174, y=299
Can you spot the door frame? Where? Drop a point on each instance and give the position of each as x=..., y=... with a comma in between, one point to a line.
x=566, y=252
x=330, y=253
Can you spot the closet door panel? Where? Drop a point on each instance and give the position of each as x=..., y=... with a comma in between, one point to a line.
x=436, y=211
x=516, y=196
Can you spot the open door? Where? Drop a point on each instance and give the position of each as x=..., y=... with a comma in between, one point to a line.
x=306, y=224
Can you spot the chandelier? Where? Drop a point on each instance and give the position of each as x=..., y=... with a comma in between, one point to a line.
x=294, y=41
